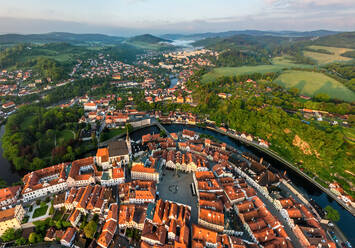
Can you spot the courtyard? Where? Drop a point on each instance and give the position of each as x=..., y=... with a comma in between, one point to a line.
x=175, y=186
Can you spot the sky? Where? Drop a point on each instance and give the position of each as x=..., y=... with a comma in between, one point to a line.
x=130, y=17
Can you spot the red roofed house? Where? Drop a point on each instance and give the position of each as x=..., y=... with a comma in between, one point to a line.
x=188, y=134
x=68, y=237
x=8, y=105
x=102, y=158
x=82, y=172
x=140, y=172
x=9, y=195
x=42, y=182
x=90, y=106
x=211, y=219
x=112, y=177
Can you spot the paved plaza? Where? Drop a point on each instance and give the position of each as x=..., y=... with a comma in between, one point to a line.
x=176, y=187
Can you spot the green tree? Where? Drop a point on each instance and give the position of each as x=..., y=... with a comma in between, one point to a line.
x=332, y=214
x=90, y=229
x=34, y=238
x=37, y=164
x=129, y=128
x=21, y=241
x=322, y=97
x=11, y=234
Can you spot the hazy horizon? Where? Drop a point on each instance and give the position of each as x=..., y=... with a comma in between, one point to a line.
x=131, y=17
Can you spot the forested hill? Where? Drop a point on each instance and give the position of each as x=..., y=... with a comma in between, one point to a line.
x=338, y=40
x=147, y=38
x=344, y=40
x=245, y=41
x=59, y=37
x=201, y=36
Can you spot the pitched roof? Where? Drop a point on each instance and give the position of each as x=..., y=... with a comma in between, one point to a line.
x=117, y=148
x=7, y=214
x=211, y=216
x=68, y=235
x=105, y=239
x=203, y=234
x=9, y=192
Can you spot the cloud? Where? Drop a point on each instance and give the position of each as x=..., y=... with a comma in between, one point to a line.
x=270, y=15
x=307, y=3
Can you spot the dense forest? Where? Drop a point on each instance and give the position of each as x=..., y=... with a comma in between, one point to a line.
x=122, y=52
x=36, y=137
x=264, y=116
x=235, y=57
x=258, y=49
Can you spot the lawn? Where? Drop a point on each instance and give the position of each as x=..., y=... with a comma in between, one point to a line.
x=286, y=62
x=279, y=63
x=312, y=83
x=40, y=211
x=323, y=58
x=64, y=135
x=111, y=133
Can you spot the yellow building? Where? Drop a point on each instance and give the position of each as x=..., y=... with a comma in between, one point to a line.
x=180, y=99
x=116, y=76
x=11, y=218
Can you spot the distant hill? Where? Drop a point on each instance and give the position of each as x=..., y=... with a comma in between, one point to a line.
x=147, y=38
x=316, y=33
x=59, y=37
x=244, y=41
x=346, y=40
x=150, y=42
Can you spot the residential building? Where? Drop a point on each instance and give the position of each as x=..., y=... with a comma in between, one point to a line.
x=68, y=237
x=40, y=183
x=102, y=158
x=11, y=218
x=82, y=172
x=211, y=219
x=140, y=172
x=90, y=106
x=111, y=177
x=110, y=227
x=9, y=195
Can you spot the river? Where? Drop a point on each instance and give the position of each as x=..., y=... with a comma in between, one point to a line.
x=346, y=223
x=7, y=173
x=174, y=82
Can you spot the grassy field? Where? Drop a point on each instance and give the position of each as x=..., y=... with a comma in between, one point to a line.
x=323, y=58
x=111, y=133
x=312, y=83
x=64, y=136
x=279, y=63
